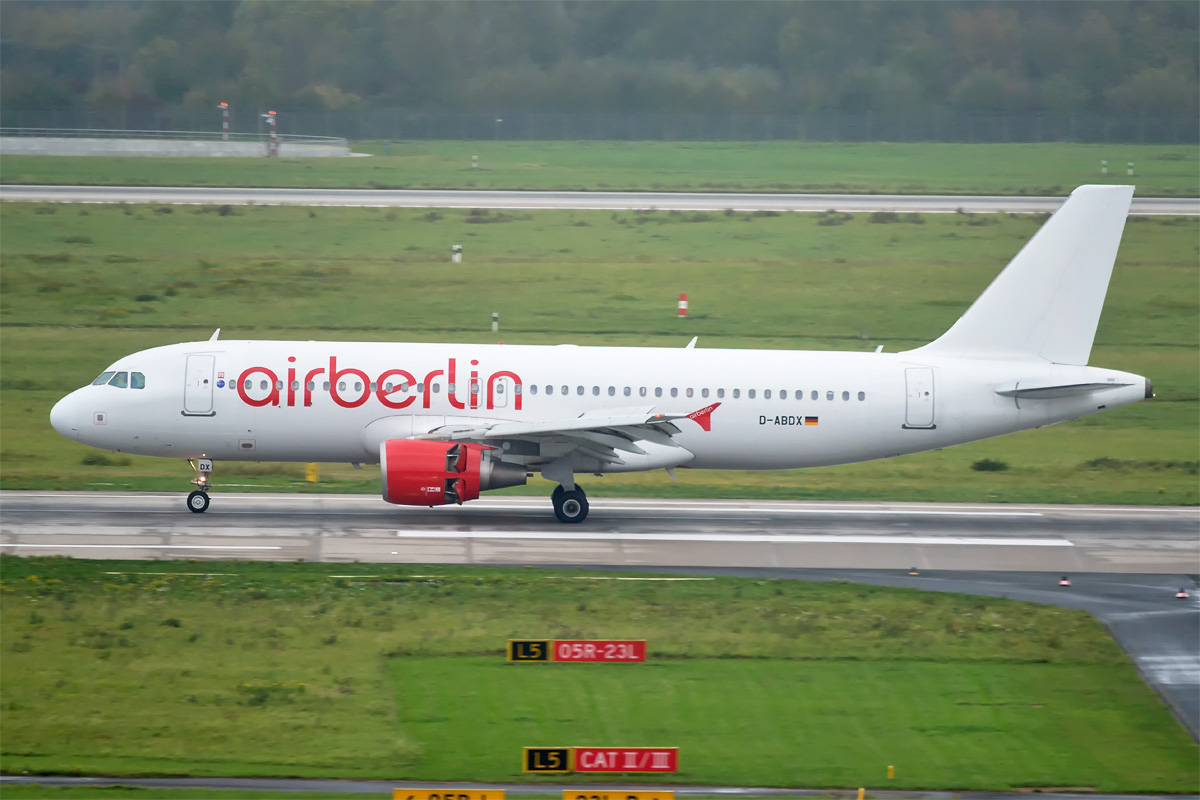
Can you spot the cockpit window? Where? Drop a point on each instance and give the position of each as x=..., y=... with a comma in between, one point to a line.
x=137, y=380
x=120, y=380
x=103, y=379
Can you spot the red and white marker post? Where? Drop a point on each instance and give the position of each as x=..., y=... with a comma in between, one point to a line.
x=682, y=305
x=224, y=121
x=273, y=147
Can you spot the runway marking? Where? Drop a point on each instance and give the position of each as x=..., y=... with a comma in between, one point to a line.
x=1171, y=669
x=782, y=538
x=155, y=546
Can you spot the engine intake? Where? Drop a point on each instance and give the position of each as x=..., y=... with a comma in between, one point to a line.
x=416, y=472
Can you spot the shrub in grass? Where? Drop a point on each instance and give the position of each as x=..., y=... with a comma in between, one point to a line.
x=105, y=460
x=77, y=239
x=989, y=465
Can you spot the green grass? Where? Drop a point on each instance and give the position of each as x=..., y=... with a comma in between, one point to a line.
x=74, y=274
x=398, y=672
x=1011, y=169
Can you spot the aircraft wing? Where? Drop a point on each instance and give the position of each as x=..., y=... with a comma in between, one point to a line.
x=601, y=434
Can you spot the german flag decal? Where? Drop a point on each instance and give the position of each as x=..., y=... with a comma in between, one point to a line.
x=810, y=420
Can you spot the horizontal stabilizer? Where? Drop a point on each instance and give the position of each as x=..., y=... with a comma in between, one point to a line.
x=1034, y=392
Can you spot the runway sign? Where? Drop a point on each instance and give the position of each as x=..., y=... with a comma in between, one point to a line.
x=626, y=759
x=529, y=649
x=575, y=794
x=628, y=651
x=447, y=794
x=547, y=759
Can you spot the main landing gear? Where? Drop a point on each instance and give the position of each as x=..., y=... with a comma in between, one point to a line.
x=197, y=501
x=570, y=506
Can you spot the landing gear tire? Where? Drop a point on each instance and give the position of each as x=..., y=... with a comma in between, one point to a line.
x=197, y=502
x=570, y=506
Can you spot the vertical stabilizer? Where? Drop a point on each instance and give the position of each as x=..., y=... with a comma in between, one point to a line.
x=1046, y=303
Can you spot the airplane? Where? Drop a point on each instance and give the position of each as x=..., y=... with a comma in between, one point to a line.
x=445, y=422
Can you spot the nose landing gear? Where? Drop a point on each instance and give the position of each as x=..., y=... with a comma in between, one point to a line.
x=197, y=501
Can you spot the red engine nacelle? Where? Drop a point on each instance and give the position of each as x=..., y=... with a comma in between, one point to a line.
x=416, y=472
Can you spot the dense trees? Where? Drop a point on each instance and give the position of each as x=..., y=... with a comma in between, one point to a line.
x=552, y=55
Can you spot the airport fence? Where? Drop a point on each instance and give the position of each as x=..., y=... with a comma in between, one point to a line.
x=403, y=124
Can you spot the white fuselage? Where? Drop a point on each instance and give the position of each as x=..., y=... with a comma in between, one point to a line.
x=330, y=401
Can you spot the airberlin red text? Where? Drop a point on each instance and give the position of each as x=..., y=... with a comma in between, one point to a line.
x=390, y=386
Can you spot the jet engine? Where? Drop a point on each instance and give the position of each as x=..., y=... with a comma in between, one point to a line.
x=416, y=472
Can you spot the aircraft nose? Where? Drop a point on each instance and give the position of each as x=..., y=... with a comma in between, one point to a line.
x=64, y=417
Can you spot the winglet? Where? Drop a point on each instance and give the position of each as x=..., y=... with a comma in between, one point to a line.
x=692, y=344
x=703, y=417
x=216, y=333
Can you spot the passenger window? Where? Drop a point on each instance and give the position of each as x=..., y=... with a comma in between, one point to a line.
x=704, y=392
x=642, y=391
x=357, y=386
x=815, y=395
x=674, y=392
x=737, y=393
x=296, y=385
x=595, y=391
x=862, y=395
x=766, y=394
x=137, y=380
x=783, y=394
x=750, y=394
x=658, y=391
x=387, y=387
x=549, y=390
x=120, y=380
x=421, y=387
x=720, y=393
x=845, y=395
x=579, y=390
x=627, y=391
x=103, y=379
x=324, y=386
x=437, y=387
x=566, y=389
x=517, y=388
x=533, y=389
x=829, y=395
x=450, y=387
x=341, y=386
x=612, y=391
x=688, y=391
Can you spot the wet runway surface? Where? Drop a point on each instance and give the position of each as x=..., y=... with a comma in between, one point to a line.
x=622, y=532
x=617, y=201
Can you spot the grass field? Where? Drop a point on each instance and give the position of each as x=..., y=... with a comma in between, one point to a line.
x=36, y=792
x=123, y=278
x=398, y=672
x=1029, y=169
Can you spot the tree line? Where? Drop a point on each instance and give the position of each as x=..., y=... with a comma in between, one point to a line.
x=702, y=56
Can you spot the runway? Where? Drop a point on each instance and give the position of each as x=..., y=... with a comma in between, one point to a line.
x=630, y=533
x=614, y=201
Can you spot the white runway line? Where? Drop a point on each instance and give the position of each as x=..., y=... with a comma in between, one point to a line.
x=154, y=546
x=782, y=538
